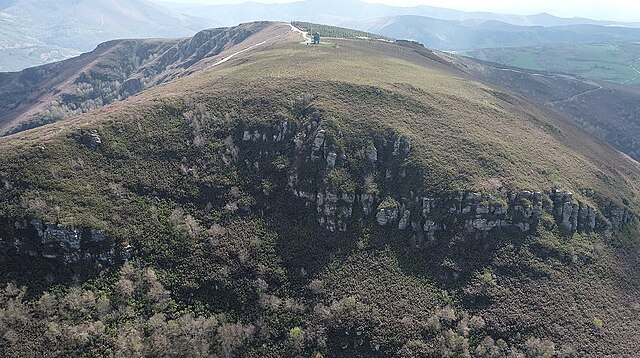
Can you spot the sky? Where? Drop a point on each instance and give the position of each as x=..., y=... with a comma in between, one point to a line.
x=620, y=10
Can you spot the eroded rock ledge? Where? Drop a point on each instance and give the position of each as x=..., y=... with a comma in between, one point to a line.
x=68, y=245
x=471, y=212
x=318, y=168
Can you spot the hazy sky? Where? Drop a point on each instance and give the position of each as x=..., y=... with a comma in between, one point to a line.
x=624, y=10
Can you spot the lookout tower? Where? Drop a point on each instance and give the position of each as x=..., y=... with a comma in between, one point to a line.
x=316, y=38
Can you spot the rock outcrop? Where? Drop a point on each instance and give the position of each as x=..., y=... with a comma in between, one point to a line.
x=319, y=176
x=91, y=140
x=68, y=245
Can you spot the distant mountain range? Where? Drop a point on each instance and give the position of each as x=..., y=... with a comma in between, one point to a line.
x=476, y=34
x=336, y=12
x=34, y=32
x=438, y=28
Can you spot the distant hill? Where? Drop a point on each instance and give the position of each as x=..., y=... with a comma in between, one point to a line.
x=476, y=34
x=617, y=62
x=42, y=31
x=338, y=11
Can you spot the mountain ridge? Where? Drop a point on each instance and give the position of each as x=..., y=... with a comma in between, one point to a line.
x=114, y=71
x=38, y=32
x=360, y=10
x=160, y=61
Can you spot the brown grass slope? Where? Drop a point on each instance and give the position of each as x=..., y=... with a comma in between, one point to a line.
x=607, y=110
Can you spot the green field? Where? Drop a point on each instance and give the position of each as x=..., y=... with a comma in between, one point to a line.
x=614, y=62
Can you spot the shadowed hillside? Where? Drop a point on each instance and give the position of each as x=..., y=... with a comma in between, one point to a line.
x=607, y=110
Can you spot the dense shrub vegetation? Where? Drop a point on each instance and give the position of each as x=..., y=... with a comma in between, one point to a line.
x=338, y=32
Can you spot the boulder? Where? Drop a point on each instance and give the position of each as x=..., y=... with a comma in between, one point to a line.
x=372, y=153
x=404, y=220
x=331, y=160
x=91, y=140
x=387, y=216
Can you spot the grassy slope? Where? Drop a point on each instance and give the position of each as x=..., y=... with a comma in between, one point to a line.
x=463, y=135
x=461, y=129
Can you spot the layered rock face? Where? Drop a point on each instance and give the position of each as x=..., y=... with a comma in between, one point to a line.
x=319, y=175
x=68, y=246
x=470, y=212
